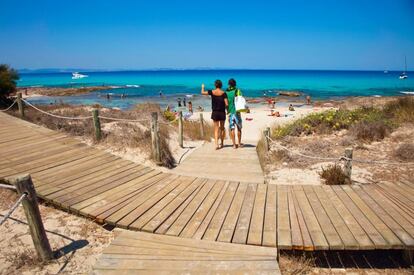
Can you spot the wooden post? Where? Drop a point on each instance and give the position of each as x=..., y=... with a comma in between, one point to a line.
x=24, y=185
x=348, y=164
x=155, y=138
x=97, y=124
x=266, y=140
x=20, y=104
x=201, y=125
x=180, y=129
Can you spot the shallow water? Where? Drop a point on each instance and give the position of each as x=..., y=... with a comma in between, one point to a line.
x=144, y=86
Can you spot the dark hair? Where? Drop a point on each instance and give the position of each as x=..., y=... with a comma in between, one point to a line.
x=218, y=84
x=232, y=82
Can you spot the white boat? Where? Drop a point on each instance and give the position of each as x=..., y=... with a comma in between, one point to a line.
x=77, y=75
x=404, y=74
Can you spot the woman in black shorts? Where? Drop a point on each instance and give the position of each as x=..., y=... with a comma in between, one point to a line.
x=218, y=105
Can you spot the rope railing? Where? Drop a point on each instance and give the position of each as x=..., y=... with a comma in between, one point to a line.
x=13, y=208
x=177, y=123
x=8, y=108
x=53, y=115
x=337, y=158
x=7, y=186
x=123, y=119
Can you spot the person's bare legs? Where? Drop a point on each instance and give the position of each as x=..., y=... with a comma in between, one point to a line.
x=239, y=135
x=233, y=138
x=216, y=132
x=222, y=132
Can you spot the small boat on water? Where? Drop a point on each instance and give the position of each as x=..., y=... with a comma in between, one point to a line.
x=77, y=75
x=404, y=74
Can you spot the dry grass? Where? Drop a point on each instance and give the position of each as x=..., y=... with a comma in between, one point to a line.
x=24, y=259
x=291, y=263
x=333, y=175
x=401, y=110
x=370, y=131
x=192, y=130
x=405, y=152
x=262, y=153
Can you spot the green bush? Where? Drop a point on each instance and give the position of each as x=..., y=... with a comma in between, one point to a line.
x=333, y=120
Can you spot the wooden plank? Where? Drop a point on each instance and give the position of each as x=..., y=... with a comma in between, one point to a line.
x=256, y=227
x=88, y=191
x=205, y=223
x=172, y=206
x=406, y=239
x=345, y=234
x=379, y=225
x=215, y=225
x=184, y=183
x=298, y=225
x=64, y=190
x=315, y=231
x=269, y=228
x=399, y=216
x=102, y=206
x=329, y=231
x=357, y=231
x=146, y=240
x=176, y=228
x=284, y=237
x=163, y=228
x=374, y=235
x=135, y=208
x=229, y=225
x=198, y=217
x=243, y=224
x=94, y=170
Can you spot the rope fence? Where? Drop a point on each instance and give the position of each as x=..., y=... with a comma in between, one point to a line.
x=24, y=187
x=341, y=158
x=177, y=123
x=12, y=209
x=8, y=108
x=56, y=116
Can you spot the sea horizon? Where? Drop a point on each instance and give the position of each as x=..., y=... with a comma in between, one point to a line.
x=147, y=85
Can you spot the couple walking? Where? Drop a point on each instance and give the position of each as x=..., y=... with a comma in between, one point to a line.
x=222, y=101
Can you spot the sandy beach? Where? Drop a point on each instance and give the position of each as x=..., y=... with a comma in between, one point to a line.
x=259, y=117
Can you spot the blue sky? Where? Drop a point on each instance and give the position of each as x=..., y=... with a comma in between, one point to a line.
x=318, y=34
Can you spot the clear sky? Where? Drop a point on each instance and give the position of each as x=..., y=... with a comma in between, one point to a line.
x=128, y=34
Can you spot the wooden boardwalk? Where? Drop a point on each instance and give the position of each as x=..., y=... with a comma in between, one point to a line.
x=110, y=190
x=230, y=164
x=143, y=253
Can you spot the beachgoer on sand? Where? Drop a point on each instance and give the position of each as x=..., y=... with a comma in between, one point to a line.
x=308, y=100
x=219, y=103
x=179, y=102
x=291, y=107
x=235, y=120
x=190, y=106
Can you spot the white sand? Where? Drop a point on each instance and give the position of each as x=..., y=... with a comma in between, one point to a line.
x=260, y=115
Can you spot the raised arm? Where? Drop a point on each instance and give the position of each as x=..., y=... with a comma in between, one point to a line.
x=203, y=92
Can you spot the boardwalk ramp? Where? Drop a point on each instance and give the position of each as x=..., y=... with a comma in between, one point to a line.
x=143, y=253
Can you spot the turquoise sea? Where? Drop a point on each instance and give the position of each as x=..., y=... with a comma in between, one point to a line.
x=144, y=86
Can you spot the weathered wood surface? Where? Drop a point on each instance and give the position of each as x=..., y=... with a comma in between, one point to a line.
x=110, y=190
x=144, y=253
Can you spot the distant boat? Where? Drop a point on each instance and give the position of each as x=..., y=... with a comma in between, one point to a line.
x=77, y=75
x=385, y=72
x=404, y=74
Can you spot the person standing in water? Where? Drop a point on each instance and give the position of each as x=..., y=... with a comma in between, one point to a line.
x=218, y=115
x=235, y=119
